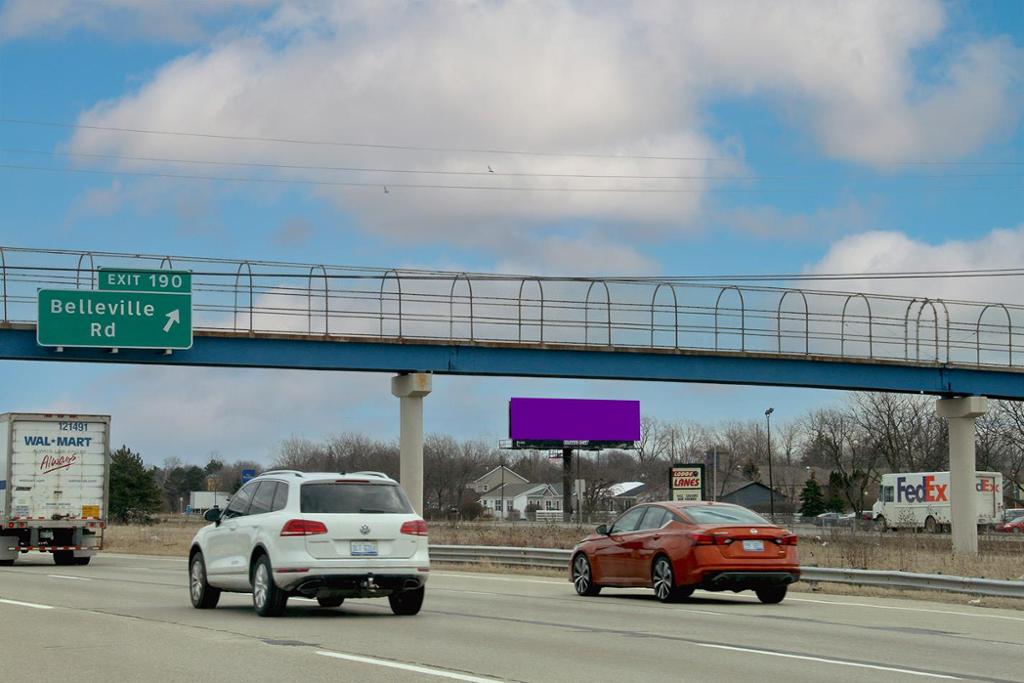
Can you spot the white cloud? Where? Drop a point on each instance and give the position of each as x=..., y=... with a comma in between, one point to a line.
x=161, y=20
x=558, y=77
x=873, y=252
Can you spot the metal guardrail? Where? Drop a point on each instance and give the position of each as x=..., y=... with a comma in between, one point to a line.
x=670, y=314
x=549, y=558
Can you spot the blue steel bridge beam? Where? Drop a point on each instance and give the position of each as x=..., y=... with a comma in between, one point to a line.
x=242, y=350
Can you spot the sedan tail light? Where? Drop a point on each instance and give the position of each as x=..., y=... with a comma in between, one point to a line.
x=789, y=539
x=702, y=539
x=303, y=527
x=416, y=527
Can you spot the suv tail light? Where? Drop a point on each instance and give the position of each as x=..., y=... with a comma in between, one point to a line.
x=416, y=527
x=789, y=539
x=303, y=527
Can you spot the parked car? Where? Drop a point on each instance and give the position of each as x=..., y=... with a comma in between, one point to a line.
x=1013, y=521
x=848, y=520
x=327, y=536
x=827, y=519
x=677, y=547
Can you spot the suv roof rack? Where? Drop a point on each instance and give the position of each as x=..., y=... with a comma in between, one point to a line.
x=295, y=472
x=369, y=473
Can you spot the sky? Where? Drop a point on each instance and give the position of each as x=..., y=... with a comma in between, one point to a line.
x=799, y=137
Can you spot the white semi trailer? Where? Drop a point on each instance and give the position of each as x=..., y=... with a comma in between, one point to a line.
x=922, y=500
x=54, y=485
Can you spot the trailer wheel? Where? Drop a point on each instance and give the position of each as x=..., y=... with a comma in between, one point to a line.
x=930, y=525
x=6, y=563
x=63, y=558
x=83, y=560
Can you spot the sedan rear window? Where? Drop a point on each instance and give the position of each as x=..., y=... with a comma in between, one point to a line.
x=724, y=515
x=353, y=498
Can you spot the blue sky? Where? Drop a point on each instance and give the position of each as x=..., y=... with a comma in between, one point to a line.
x=830, y=108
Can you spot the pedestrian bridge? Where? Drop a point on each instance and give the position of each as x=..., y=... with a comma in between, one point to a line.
x=310, y=316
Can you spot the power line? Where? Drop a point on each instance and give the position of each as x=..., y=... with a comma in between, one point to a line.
x=387, y=186
x=460, y=150
x=487, y=173
x=359, y=145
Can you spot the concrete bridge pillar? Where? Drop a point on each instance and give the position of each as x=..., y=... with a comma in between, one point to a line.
x=410, y=390
x=961, y=414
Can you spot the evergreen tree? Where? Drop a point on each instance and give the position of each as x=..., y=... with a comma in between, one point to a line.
x=812, y=500
x=132, y=486
x=836, y=485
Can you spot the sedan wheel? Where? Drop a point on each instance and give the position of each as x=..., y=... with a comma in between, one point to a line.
x=202, y=594
x=664, y=582
x=582, y=577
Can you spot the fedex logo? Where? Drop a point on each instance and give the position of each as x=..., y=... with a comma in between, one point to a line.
x=925, y=492
x=987, y=486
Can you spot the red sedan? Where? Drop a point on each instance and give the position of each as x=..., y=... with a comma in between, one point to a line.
x=678, y=547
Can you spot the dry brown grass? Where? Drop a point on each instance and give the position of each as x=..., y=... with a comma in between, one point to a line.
x=998, y=559
x=166, y=538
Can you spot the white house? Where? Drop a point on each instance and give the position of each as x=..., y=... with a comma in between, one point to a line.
x=495, y=478
x=502, y=500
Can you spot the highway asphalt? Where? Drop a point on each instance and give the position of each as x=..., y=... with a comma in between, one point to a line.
x=127, y=618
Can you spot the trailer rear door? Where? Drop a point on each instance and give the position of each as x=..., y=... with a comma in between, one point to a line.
x=58, y=469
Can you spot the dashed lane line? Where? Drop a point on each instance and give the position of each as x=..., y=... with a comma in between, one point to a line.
x=415, y=668
x=33, y=605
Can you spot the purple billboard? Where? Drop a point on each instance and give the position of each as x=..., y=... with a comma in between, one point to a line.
x=573, y=419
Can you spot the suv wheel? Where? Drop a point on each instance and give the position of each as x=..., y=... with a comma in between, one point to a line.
x=407, y=603
x=202, y=594
x=267, y=599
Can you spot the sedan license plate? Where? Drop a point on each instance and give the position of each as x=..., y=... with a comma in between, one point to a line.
x=757, y=546
x=364, y=548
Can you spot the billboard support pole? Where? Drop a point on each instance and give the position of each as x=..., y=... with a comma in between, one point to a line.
x=566, y=485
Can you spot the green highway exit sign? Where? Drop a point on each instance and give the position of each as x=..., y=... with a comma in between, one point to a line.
x=132, y=309
x=166, y=281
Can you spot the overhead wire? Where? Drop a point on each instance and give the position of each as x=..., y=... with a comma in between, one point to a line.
x=460, y=150
x=487, y=173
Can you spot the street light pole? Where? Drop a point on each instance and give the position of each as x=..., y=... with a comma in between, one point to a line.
x=771, y=482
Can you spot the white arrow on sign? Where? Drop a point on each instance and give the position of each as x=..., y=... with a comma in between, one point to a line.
x=172, y=317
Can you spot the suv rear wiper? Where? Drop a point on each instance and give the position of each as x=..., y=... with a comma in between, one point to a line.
x=375, y=511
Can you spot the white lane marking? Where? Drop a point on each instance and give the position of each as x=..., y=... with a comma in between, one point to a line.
x=909, y=609
x=156, y=558
x=488, y=577
x=26, y=604
x=440, y=673
x=70, y=578
x=976, y=615
x=824, y=660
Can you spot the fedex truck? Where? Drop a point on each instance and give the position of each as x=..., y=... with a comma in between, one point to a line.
x=54, y=485
x=921, y=500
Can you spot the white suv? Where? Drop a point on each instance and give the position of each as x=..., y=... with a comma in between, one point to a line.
x=319, y=535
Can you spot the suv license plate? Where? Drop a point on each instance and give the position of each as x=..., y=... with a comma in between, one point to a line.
x=364, y=548
x=754, y=545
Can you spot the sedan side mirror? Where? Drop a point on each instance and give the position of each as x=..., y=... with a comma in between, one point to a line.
x=212, y=515
x=603, y=530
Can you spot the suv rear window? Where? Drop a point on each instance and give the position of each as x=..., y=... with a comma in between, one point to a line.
x=353, y=498
x=724, y=515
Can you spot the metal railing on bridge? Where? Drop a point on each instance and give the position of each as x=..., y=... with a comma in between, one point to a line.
x=665, y=314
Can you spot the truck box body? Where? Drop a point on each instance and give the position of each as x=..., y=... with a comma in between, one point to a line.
x=200, y=501
x=53, y=481
x=909, y=499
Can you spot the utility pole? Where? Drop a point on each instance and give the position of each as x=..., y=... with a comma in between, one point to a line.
x=771, y=483
x=567, y=485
